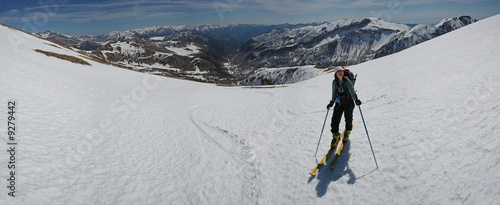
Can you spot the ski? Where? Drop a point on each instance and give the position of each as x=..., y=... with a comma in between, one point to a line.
x=339, y=151
x=322, y=162
x=336, y=157
x=327, y=155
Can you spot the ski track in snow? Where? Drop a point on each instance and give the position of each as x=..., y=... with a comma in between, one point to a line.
x=241, y=155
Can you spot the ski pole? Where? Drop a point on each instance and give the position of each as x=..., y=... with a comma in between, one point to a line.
x=368, y=136
x=321, y=134
x=338, y=106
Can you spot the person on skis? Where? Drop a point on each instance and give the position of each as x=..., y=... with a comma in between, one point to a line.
x=344, y=97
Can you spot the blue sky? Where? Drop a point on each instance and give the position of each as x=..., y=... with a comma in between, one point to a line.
x=98, y=17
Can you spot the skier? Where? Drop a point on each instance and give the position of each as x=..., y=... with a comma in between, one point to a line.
x=344, y=96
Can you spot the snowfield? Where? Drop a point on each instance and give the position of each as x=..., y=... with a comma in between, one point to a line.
x=189, y=50
x=104, y=135
x=283, y=75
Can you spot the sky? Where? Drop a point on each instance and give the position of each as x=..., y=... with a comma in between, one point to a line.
x=76, y=17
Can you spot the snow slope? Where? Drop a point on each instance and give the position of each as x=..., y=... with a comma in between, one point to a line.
x=103, y=135
x=283, y=75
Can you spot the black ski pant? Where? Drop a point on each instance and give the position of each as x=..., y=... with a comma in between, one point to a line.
x=344, y=108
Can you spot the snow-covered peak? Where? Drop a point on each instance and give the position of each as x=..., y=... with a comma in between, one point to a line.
x=50, y=34
x=421, y=30
x=456, y=22
x=364, y=23
x=46, y=34
x=447, y=25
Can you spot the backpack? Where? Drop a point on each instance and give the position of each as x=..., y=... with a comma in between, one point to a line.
x=350, y=76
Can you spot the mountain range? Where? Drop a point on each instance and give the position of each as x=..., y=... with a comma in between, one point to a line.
x=343, y=42
x=231, y=54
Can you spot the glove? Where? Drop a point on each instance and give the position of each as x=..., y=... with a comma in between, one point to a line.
x=358, y=102
x=329, y=105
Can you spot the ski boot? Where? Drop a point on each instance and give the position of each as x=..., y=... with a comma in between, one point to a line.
x=346, y=136
x=335, y=139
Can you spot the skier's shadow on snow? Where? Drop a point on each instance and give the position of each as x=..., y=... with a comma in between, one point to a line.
x=326, y=175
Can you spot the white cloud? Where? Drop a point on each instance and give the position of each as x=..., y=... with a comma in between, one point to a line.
x=107, y=11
